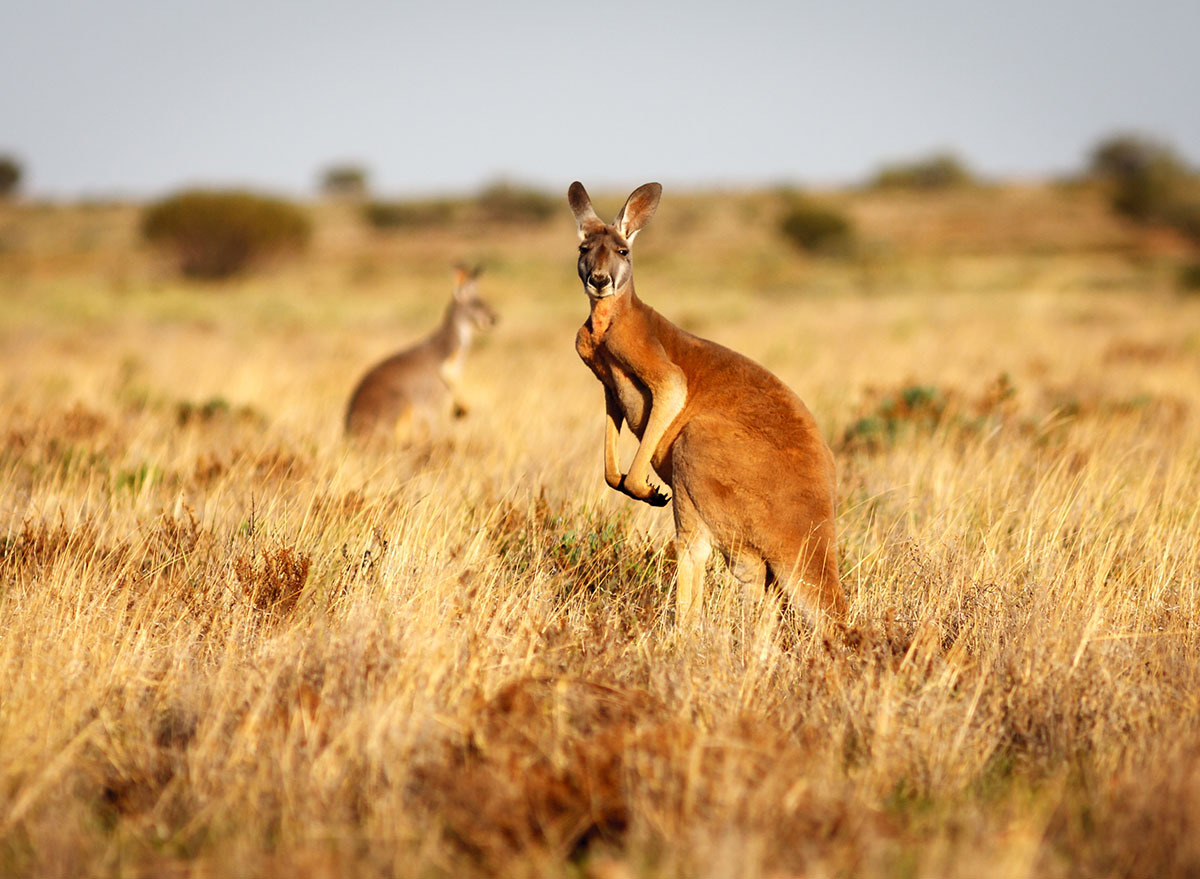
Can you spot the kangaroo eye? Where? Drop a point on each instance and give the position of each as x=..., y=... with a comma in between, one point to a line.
x=623, y=252
x=583, y=248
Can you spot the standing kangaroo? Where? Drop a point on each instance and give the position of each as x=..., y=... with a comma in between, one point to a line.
x=746, y=465
x=418, y=386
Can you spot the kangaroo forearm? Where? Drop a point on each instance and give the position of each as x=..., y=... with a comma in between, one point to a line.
x=665, y=407
x=613, y=418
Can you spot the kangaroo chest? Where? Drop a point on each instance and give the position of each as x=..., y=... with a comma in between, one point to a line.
x=451, y=368
x=632, y=395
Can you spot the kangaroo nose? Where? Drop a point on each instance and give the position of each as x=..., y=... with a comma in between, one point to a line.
x=598, y=280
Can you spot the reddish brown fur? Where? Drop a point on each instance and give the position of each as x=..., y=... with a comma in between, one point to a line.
x=748, y=469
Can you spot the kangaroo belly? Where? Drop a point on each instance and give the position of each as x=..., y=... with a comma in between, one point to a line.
x=634, y=398
x=749, y=488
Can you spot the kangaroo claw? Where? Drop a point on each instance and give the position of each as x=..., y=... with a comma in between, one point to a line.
x=658, y=498
x=655, y=495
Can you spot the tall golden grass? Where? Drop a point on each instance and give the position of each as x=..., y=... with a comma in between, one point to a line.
x=232, y=644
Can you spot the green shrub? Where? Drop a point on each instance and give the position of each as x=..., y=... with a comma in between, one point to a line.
x=344, y=181
x=939, y=171
x=1148, y=182
x=1130, y=156
x=1183, y=215
x=509, y=203
x=216, y=234
x=1149, y=193
x=1147, y=179
x=10, y=176
x=389, y=215
x=817, y=228
x=1189, y=277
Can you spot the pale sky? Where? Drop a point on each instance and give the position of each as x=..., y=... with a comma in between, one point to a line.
x=137, y=97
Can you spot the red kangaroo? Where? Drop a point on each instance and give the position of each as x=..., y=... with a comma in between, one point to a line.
x=748, y=471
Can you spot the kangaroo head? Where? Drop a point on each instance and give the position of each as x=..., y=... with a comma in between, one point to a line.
x=467, y=310
x=605, y=264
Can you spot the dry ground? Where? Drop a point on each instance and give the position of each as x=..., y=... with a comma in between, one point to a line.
x=230, y=644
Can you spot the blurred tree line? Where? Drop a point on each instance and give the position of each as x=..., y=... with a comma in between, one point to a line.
x=216, y=234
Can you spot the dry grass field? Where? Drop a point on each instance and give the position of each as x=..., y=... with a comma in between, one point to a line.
x=233, y=644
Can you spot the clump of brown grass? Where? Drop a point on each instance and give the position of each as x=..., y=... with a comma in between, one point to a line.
x=272, y=580
x=33, y=553
x=541, y=767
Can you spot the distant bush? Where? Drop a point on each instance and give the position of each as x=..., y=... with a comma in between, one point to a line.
x=216, y=234
x=1189, y=277
x=1183, y=213
x=1148, y=182
x=1146, y=196
x=389, y=215
x=939, y=171
x=10, y=176
x=509, y=203
x=344, y=181
x=817, y=228
x=1131, y=156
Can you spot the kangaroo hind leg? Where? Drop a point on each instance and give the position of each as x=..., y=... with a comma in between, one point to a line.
x=693, y=546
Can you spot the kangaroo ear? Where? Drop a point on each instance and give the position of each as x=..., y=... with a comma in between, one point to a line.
x=639, y=208
x=581, y=206
x=461, y=276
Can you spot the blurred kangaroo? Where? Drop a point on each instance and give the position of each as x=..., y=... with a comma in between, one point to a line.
x=414, y=389
x=748, y=469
